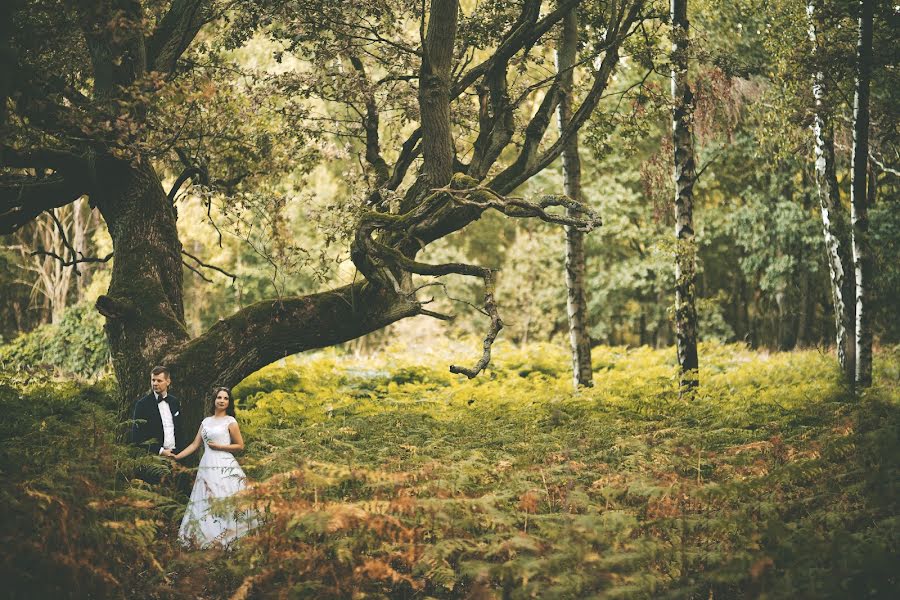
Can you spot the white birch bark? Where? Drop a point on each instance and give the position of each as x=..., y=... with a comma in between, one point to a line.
x=576, y=300
x=834, y=223
x=862, y=254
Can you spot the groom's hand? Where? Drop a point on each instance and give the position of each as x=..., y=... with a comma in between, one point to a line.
x=167, y=453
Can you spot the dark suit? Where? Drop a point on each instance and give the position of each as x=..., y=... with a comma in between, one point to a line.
x=147, y=429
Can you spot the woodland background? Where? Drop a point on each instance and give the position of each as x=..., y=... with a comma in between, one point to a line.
x=384, y=475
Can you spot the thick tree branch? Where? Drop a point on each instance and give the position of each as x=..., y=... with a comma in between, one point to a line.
x=23, y=199
x=484, y=198
x=266, y=331
x=185, y=175
x=175, y=32
x=526, y=166
x=496, y=122
x=370, y=125
x=524, y=34
x=534, y=133
x=65, y=162
x=408, y=152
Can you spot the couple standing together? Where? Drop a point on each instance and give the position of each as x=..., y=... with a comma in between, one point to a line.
x=157, y=427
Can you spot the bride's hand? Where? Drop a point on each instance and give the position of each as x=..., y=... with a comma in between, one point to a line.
x=215, y=446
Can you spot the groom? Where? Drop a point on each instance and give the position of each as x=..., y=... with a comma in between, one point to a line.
x=157, y=417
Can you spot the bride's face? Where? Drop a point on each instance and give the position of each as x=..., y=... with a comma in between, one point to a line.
x=222, y=400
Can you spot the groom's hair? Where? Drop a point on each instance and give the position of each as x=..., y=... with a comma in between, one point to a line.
x=158, y=370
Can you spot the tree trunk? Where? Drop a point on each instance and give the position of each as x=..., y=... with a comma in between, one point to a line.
x=576, y=300
x=862, y=254
x=145, y=313
x=685, y=174
x=804, y=312
x=143, y=307
x=834, y=223
x=434, y=102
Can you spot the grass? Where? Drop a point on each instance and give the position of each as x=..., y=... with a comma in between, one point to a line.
x=389, y=477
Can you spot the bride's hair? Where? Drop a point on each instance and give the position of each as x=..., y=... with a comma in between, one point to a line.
x=228, y=411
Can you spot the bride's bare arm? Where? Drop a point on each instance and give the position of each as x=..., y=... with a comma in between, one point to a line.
x=191, y=448
x=237, y=440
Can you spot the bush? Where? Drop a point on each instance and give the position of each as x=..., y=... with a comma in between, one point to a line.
x=77, y=345
x=73, y=526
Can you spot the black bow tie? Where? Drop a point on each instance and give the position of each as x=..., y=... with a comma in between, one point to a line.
x=162, y=399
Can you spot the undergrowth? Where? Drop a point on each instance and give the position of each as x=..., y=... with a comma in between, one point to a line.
x=392, y=478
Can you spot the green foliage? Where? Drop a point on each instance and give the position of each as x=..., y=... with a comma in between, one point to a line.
x=72, y=525
x=509, y=485
x=391, y=477
x=885, y=232
x=76, y=345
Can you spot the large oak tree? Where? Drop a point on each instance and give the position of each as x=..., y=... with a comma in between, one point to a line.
x=90, y=85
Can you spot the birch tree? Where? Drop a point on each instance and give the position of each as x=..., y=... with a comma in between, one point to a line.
x=685, y=174
x=834, y=222
x=862, y=253
x=576, y=299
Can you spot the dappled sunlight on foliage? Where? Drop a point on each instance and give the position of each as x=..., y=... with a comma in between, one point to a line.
x=388, y=476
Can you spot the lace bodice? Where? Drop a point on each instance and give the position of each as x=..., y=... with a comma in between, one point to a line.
x=215, y=430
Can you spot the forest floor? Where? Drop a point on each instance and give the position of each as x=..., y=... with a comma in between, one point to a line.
x=389, y=477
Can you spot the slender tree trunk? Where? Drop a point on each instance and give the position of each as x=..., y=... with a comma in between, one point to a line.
x=804, y=311
x=834, y=222
x=685, y=173
x=576, y=300
x=862, y=254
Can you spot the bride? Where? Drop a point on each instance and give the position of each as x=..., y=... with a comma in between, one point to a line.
x=207, y=520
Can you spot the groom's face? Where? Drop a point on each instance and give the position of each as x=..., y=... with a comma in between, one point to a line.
x=160, y=383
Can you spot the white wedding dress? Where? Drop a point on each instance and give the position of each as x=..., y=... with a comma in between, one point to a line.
x=209, y=517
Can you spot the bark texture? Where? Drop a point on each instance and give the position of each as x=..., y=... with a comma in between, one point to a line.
x=862, y=253
x=576, y=299
x=144, y=308
x=834, y=222
x=434, y=93
x=685, y=174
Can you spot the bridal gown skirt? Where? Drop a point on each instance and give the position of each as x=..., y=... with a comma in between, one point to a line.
x=211, y=516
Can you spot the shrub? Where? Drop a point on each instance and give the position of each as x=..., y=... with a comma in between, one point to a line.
x=77, y=345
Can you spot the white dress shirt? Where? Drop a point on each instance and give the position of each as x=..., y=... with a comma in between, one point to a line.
x=165, y=413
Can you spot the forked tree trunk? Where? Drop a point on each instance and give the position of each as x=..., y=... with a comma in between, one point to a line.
x=862, y=253
x=576, y=300
x=834, y=221
x=685, y=174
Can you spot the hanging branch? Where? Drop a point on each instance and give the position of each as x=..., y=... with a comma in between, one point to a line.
x=486, y=198
x=196, y=272
x=188, y=173
x=73, y=261
x=383, y=262
x=203, y=264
